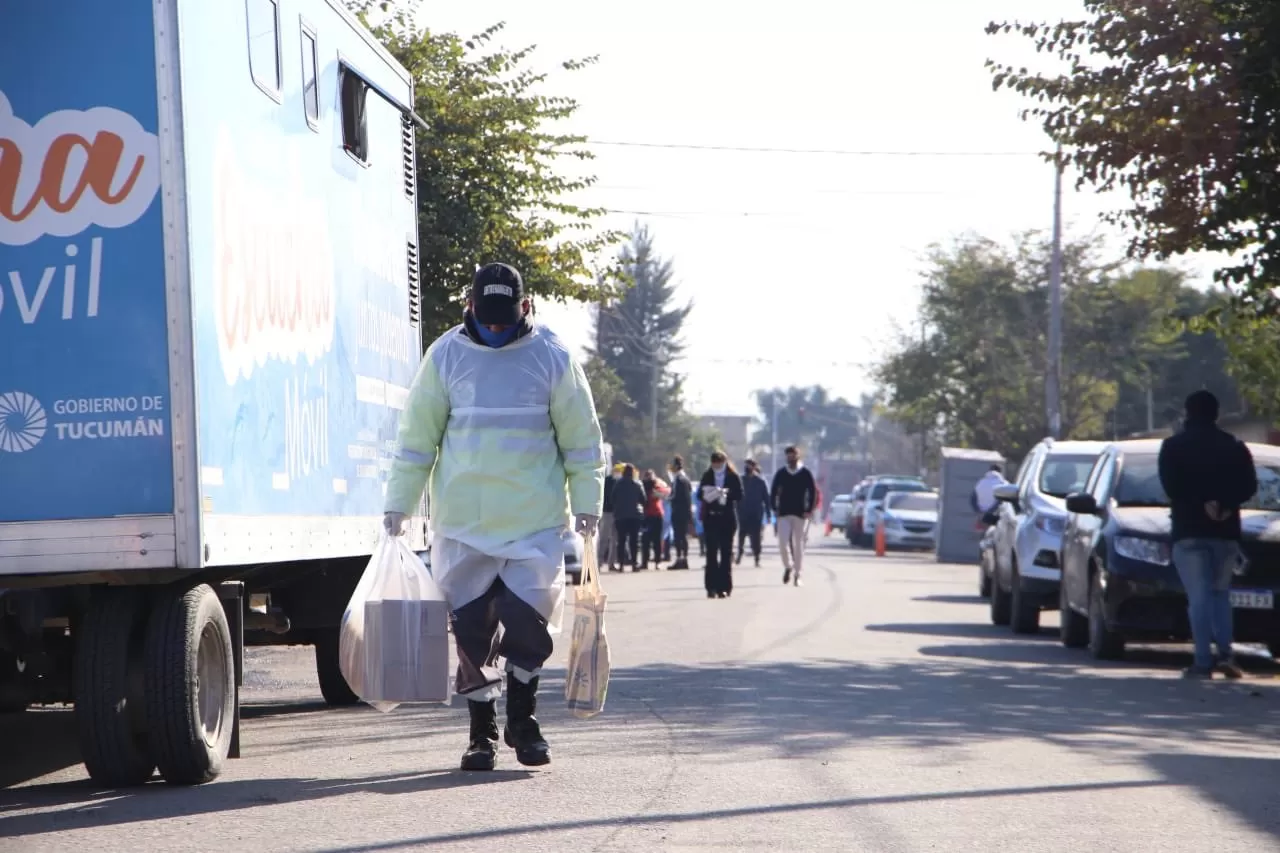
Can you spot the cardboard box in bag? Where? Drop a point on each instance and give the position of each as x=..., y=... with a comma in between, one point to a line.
x=407, y=651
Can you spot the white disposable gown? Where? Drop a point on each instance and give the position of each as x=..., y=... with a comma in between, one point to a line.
x=511, y=445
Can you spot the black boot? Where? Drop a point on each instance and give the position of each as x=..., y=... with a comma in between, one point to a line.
x=481, y=754
x=522, y=732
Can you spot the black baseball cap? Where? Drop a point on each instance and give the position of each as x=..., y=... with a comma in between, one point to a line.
x=497, y=292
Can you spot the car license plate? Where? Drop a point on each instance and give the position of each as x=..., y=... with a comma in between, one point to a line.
x=1253, y=599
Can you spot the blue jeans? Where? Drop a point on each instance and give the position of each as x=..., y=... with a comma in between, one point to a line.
x=1205, y=567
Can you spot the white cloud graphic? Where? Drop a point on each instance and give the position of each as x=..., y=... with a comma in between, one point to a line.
x=109, y=164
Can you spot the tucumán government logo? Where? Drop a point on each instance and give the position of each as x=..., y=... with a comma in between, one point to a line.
x=23, y=422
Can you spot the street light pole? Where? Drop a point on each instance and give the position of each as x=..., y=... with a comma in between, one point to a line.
x=1053, y=377
x=773, y=448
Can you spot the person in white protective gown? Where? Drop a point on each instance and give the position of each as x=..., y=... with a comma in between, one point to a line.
x=501, y=421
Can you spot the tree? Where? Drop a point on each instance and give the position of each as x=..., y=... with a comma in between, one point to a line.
x=637, y=336
x=489, y=183
x=976, y=375
x=810, y=417
x=1178, y=103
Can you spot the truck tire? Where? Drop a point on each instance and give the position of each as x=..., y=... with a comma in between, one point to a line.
x=333, y=684
x=107, y=689
x=191, y=687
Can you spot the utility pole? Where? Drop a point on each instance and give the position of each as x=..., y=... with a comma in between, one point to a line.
x=1053, y=377
x=1151, y=409
x=653, y=399
x=773, y=448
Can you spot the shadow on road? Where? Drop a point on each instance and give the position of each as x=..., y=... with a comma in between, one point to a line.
x=96, y=807
x=951, y=599
x=34, y=744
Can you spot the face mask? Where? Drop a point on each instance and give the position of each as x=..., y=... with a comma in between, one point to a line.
x=719, y=469
x=496, y=339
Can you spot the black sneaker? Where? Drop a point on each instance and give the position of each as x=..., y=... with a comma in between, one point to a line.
x=482, y=754
x=522, y=732
x=786, y=576
x=1229, y=669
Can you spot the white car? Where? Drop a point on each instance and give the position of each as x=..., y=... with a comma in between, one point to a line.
x=910, y=520
x=573, y=545
x=838, y=512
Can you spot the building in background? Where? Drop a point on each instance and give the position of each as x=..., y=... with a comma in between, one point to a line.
x=735, y=430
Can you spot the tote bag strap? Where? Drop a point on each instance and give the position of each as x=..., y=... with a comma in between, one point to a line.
x=590, y=566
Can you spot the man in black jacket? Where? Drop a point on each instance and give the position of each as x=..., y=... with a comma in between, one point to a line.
x=754, y=510
x=681, y=512
x=793, y=496
x=1208, y=475
x=607, y=553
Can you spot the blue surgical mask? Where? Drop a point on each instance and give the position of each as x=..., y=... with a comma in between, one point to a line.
x=497, y=339
x=719, y=469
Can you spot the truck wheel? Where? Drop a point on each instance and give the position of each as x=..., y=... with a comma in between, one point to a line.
x=108, y=689
x=333, y=684
x=191, y=687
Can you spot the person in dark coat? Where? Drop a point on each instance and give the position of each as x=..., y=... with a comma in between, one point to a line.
x=1208, y=475
x=721, y=492
x=681, y=512
x=754, y=510
x=628, y=515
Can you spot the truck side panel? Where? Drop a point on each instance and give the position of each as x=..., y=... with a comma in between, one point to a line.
x=300, y=257
x=84, y=377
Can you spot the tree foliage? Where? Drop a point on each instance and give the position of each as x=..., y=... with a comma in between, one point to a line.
x=809, y=417
x=637, y=341
x=974, y=370
x=1177, y=102
x=490, y=182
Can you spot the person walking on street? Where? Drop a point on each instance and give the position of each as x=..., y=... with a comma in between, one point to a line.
x=607, y=552
x=754, y=510
x=628, y=516
x=1208, y=475
x=500, y=420
x=651, y=535
x=721, y=492
x=793, y=497
x=681, y=512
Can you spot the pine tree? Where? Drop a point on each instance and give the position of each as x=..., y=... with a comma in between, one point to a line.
x=637, y=337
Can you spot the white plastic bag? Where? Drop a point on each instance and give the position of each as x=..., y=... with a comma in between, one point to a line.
x=586, y=682
x=394, y=644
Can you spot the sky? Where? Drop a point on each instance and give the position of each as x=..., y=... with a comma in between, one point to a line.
x=802, y=267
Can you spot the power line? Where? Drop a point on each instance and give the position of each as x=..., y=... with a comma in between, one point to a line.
x=843, y=152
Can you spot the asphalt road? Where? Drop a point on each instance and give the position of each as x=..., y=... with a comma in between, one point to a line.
x=873, y=709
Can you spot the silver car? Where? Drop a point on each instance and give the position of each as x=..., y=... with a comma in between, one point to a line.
x=910, y=520
x=1026, y=544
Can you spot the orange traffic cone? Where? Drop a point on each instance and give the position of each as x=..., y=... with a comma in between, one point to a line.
x=880, y=546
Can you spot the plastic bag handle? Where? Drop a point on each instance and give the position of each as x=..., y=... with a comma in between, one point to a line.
x=590, y=565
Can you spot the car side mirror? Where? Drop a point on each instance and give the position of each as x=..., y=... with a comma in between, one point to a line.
x=1007, y=493
x=1082, y=503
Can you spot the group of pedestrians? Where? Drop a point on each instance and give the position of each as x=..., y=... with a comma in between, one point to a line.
x=642, y=513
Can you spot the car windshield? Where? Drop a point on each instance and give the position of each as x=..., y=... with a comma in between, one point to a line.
x=1140, y=484
x=914, y=503
x=1062, y=475
x=879, y=490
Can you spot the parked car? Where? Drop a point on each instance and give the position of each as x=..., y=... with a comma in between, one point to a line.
x=911, y=519
x=573, y=550
x=1118, y=580
x=1027, y=540
x=878, y=488
x=838, y=512
x=853, y=530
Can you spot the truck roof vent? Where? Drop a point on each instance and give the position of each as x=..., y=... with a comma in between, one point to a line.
x=415, y=286
x=406, y=152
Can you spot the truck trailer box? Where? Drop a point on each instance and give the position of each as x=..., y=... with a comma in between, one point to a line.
x=209, y=307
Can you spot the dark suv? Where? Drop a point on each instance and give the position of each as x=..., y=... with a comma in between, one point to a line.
x=1118, y=579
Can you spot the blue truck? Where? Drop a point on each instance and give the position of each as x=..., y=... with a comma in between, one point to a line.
x=209, y=310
